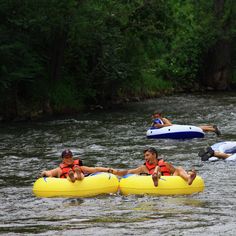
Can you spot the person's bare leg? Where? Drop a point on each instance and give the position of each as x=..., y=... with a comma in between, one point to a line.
x=209, y=128
x=221, y=155
x=71, y=176
x=155, y=178
x=78, y=173
x=188, y=177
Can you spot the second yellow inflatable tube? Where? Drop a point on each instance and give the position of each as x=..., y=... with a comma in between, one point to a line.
x=167, y=185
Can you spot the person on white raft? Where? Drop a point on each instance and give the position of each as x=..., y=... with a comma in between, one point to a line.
x=160, y=122
x=207, y=153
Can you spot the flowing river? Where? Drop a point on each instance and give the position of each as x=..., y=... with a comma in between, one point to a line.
x=116, y=139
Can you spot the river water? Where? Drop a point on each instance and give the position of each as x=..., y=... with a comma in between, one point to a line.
x=116, y=139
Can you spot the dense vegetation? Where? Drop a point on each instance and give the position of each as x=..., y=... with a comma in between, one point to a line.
x=65, y=55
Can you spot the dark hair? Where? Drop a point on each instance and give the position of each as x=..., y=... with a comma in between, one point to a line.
x=66, y=152
x=152, y=150
x=156, y=112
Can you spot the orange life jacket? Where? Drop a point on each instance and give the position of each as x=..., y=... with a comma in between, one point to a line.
x=66, y=168
x=163, y=168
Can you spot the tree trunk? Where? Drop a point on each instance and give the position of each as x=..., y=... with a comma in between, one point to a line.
x=58, y=55
x=218, y=69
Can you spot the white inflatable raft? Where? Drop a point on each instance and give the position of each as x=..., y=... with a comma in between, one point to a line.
x=175, y=132
x=228, y=147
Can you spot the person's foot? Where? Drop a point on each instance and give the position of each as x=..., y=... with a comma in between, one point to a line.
x=205, y=157
x=155, y=179
x=205, y=154
x=71, y=176
x=192, y=176
x=217, y=131
x=78, y=173
x=202, y=152
x=210, y=151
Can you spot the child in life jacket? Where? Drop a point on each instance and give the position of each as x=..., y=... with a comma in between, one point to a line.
x=72, y=169
x=158, y=167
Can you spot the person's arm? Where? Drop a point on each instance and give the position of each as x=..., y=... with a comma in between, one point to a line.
x=52, y=173
x=165, y=121
x=130, y=171
x=87, y=169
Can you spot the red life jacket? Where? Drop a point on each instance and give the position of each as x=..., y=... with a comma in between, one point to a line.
x=150, y=167
x=163, y=168
x=66, y=168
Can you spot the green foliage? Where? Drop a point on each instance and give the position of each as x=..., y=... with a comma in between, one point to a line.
x=64, y=96
x=73, y=53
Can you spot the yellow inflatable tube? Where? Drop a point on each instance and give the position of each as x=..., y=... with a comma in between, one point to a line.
x=99, y=183
x=167, y=185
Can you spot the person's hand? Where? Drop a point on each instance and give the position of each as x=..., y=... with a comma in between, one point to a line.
x=111, y=170
x=43, y=174
x=158, y=125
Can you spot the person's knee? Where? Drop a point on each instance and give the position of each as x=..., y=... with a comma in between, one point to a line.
x=179, y=168
x=179, y=171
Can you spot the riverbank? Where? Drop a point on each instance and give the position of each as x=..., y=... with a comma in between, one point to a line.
x=30, y=112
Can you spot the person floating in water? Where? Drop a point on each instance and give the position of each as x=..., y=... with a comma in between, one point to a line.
x=158, y=121
x=156, y=167
x=72, y=169
x=207, y=153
